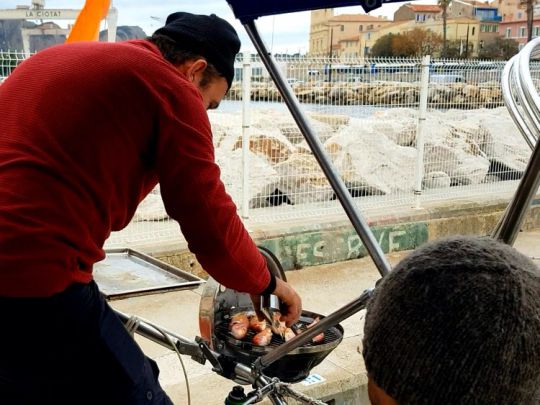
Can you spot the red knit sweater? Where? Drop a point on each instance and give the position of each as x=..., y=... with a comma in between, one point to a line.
x=86, y=131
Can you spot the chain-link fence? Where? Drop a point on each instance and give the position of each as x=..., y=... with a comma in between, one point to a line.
x=395, y=139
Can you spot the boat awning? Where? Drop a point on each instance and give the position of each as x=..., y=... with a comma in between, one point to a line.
x=246, y=10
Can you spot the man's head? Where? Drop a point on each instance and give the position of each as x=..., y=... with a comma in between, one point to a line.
x=203, y=48
x=456, y=322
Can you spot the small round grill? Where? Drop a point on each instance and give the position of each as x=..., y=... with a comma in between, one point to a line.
x=219, y=304
x=293, y=367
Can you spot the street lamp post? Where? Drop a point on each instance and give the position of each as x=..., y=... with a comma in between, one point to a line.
x=330, y=53
x=467, y=43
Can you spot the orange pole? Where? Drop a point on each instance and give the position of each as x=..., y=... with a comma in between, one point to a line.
x=86, y=27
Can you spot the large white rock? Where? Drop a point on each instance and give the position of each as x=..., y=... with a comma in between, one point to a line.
x=369, y=162
x=302, y=180
x=397, y=124
x=453, y=148
x=504, y=143
x=225, y=125
x=260, y=172
x=270, y=144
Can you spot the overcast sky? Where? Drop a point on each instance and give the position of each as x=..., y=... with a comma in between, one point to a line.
x=284, y=33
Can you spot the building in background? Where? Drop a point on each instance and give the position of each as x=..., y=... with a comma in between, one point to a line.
x=370, y=37
x=348, y=47
x=417, y=12
x=514, y=21
x=330, y=34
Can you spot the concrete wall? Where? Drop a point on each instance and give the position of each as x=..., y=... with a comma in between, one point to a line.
x=308, y=243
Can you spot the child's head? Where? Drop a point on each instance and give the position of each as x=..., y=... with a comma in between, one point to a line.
x=456, y=322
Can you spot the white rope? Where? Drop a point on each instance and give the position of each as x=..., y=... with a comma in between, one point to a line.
x=133, y=324
x=286, y=390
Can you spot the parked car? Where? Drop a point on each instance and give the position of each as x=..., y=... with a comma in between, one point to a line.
x=293, y=80
x=355, y=79
x=446, y=78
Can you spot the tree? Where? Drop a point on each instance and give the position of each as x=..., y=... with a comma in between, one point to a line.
x=443, y=4
x=529, y=10
x=423, y=42
x=402, y=46
x=454, y=50
x=383, y=46
x=498, y=48
x=417, y=42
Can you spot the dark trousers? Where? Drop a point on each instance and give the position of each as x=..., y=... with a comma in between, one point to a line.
x=72, y=349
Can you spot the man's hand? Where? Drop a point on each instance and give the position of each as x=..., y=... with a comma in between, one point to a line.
x=292, y=302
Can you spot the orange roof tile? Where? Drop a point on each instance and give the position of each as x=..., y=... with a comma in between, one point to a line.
x=424, y=8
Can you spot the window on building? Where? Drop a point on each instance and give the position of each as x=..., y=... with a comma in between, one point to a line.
x=370, y=27
x=519, y=15
x=368, y=36
x=482, y=28
x=473, y=28
x=536, y=31
x=417, y=17
x=522, y=32
x=361, y=28
x=508, y=32
x=342, y=28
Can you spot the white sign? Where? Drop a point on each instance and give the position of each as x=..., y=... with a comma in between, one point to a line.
x=313, y=379
x=31, y=14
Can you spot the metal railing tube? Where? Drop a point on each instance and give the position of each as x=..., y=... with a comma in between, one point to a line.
x=316, y=146
x=510, y=223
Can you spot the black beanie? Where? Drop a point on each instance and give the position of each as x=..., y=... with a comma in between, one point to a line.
x=209, y=36
x=457, y=322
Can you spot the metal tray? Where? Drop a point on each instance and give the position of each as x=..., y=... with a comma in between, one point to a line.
x=127, y=272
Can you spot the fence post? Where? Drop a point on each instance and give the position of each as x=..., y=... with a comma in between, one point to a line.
x=246, y=98
x=419, y=170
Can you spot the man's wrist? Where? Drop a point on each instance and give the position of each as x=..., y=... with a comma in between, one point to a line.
x=271, y=285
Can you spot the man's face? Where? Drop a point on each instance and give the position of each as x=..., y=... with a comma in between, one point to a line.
x=213, y=92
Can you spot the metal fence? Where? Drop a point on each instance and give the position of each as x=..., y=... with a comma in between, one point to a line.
x=401, y=132
x=8, y=61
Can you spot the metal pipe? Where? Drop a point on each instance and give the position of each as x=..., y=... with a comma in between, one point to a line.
x=316, y=146
x=510, y=224
x=518, y=69
x=187, y=347
x=333, y=319
x=523, y=73
x=246, y=99
x=184, y=345
x=511, y=105
x=424, y=89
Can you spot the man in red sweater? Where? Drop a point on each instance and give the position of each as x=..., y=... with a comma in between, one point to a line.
x=86, y=131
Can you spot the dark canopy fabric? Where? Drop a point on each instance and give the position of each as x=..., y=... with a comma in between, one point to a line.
x=246, y=10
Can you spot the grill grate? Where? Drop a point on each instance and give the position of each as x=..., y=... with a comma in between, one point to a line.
x=294, y=366
x=222, y=332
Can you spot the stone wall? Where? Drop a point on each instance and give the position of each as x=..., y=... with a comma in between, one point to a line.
x=453, y=95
